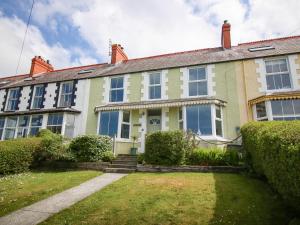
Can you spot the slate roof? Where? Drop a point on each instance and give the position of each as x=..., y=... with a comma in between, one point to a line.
x=282, y=46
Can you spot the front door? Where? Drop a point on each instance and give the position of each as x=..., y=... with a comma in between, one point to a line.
x=154, y=120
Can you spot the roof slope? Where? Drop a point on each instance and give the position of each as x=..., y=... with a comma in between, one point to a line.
x=282, y=46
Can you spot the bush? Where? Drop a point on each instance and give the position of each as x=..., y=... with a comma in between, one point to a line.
x=213, y=157
x=108, y=156
x=16, y=156
x=273, y=150
x=52, y=148
x=165, y=148
x=141, y=158
x=90, y=148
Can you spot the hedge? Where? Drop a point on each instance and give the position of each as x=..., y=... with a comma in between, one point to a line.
x=273, y=150
x=165, y=148
x=17, y=155
x=213, y=157
x=91, y=148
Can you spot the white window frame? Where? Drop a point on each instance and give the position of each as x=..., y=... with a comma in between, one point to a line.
x=115, y=89
x=155, y=85
x=62, y=123
x=34, y=97
x=5, y=127
x=219, y=119
x=27, y=127
x=180, y=120
x=196, y=81
x=255, y=112
x=8, y=99
x=64, y=94
x=30, y=121
x=120, y=121
x=278, y=73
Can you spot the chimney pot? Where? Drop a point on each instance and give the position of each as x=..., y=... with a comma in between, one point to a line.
x=225, y=37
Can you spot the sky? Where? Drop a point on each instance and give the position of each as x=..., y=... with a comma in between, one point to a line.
x=77, y=32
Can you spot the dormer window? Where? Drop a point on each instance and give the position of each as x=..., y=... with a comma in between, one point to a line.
x=66, y=94
x=38, y=95
x=154, y=86
x=12, y=101
x=277, y=74
x=116, y=93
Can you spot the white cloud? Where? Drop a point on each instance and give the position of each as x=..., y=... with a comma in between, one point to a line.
x=12, y=31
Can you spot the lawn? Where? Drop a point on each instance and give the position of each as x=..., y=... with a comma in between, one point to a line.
x=17, y=191
x=179, y=198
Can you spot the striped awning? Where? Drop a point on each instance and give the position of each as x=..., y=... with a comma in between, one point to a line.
x=275, y=96
x=159, y=104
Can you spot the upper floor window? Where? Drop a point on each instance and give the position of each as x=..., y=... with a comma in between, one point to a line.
x=13, y=97
x=66, y=94
x=197, y=81
x=277, y=74
x=38, y=97
x=154, y=86
x=116, y=89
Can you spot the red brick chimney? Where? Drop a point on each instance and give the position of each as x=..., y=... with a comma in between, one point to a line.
x=117, y=54
x=39, y=65
x=225, y=39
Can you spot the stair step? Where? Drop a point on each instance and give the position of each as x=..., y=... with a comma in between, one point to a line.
x=119, y=170
x=122, y=166
x=126, y=162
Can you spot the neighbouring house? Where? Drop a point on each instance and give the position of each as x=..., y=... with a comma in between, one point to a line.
x=212, y=92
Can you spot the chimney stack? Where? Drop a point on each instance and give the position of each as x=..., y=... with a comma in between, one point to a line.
x=39, y=65
x=225, y=39
x=117, y=54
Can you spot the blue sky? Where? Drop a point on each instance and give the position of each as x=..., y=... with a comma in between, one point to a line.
x=72, y=33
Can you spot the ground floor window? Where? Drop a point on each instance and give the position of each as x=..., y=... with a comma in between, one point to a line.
x=278, y=110
x=218, y=119
x=23, y=126
x=2, y=123
x=35, y=124
x=55, y=122
x=198, y=119
x=10, y=129
x=115, y=123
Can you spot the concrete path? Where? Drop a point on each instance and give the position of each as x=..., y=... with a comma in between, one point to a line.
x=41, y=210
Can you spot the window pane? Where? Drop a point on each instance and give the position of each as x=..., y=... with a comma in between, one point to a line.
x=116, y=82
x=270, y=82
x=11, y=121
x=283, y=66
x=37, y=120
x=276, y=68
x=34, y=131
x=154, y=78
x=297, y=106
x=201, y=74
x=199, y=119
x=109, y=123
x=218, y=112
x=2, y=121
x=202, y=88
x=193, y=89
x=55, y=119
x=126, y=116
x=276, y=108
x=269, y=67
x=219, y=128
x=192, y=74
x=9, y=133
x=261, y=110
x=23, y=121
x=286, y=83
x=116, y=95
x=125, y=131
x=155, y=92
x=287, y=107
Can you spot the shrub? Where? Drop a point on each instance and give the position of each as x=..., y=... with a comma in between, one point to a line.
x=17, y=155
x=107, y=156
x=165, y=148
x=213, y=157
x=52, y=148
x=273, y=150
x=90, y=148
x=141, y=158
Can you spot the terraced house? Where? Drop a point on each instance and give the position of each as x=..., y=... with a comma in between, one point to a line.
x=211, y=92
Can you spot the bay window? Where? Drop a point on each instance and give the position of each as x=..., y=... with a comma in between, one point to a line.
x=197, y=81
x=35, y=124
x=286, y=109
x=10, y=129
x=116, y=89
x=55, y=122
x=199, y=119
x=38, y=97
x=261, y=112
x=13, y=98
x=277, y=74
x=66, y=94
x=154, y=86
x=180, y=119
x=23, y=126
x=218, y=120
x=115, y=123
x=2, y=123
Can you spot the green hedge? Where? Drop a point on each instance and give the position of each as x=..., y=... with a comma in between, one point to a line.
x=213, y=157
x=17, y=155
x=165, y=148
x=91, y=148
x=273, y=150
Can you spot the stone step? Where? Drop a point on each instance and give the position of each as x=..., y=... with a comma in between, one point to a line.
x=125, y=162
x=126, y=157
x=119, y=170
x=122, y=166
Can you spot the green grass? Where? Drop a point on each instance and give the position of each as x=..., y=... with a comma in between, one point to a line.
x=179, y=198
x=17, y=191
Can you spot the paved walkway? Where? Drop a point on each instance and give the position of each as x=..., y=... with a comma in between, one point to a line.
x=41, y=210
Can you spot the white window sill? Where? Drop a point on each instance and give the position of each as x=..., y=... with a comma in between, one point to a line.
x=123, y=140
x=269, y=92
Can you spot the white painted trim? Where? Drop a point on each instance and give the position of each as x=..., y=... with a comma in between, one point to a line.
x=63, y=128
x=164, y=119
x=98, y=124
x=142, y=129
x=295, y=77
x=44, y=122
x=269, y=110
x=184, y=118
x=213, y=118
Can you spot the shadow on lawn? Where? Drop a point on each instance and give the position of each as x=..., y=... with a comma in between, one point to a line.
x=244, y=200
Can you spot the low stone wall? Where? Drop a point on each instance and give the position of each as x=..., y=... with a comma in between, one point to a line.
x=221, y=169
x=73, y=165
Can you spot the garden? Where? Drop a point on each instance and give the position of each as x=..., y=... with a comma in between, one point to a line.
x=266, y=192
